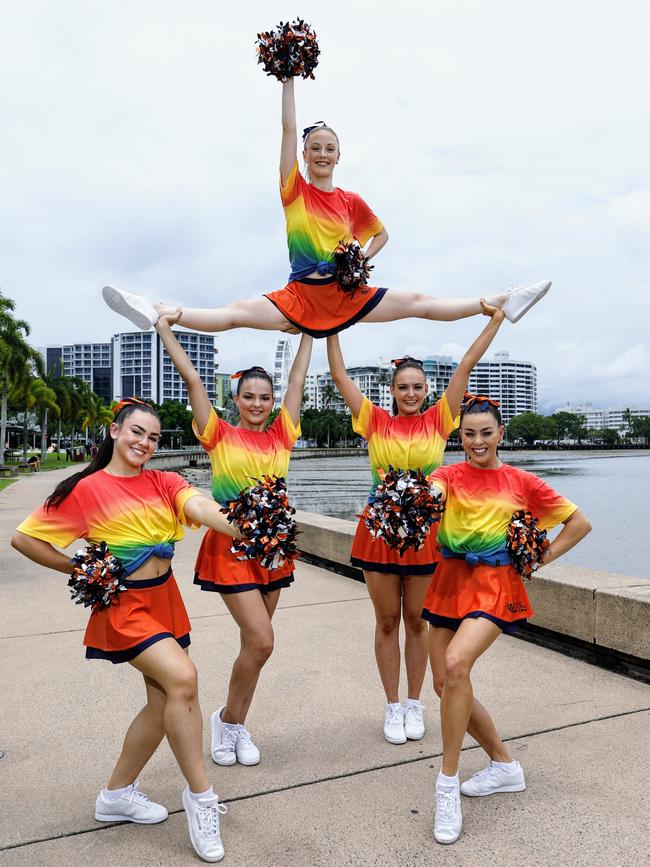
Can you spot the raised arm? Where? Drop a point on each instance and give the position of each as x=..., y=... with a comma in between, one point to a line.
x=201, y=406
x=41, y=552
x=575, y=528
x=296, y=385
x=458, y=383
x=289, y=148
x=350, y=392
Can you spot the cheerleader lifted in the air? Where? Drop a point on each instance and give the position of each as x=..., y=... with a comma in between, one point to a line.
x=319, y=216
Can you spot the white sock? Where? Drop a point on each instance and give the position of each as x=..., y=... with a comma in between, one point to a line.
x=114, y=794
x=202, y=795
x=445, y=782
x=232, y=726
x=394, y=704
x=412, y=702
x=506, y=766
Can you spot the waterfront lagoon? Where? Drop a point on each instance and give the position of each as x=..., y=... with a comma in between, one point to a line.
x=612, y=488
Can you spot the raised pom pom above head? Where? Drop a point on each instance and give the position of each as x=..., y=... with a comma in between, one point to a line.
x=289, y=50
x=97, y=576
x=352, y=266
x=404, y=510
x=264, y=517
x=526, y=543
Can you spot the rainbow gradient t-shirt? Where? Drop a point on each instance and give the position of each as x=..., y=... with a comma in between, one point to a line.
x=132, y=514
x=405, y=442
x=238, y=456
x=480, y=503
x=318, y=220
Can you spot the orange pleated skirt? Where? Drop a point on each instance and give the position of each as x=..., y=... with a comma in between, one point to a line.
x=219, y=570
x=321, y=307
x=374, y=555
x=459, y=591
x=146, y=612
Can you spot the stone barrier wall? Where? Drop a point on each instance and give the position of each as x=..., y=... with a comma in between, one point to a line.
x=608, y=610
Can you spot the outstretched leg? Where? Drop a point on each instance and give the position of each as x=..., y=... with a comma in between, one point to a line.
x=405, y=305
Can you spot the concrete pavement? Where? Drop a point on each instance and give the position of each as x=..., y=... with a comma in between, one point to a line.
x=329, y=789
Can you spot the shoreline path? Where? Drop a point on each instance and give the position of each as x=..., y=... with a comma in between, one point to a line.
x=329, y=790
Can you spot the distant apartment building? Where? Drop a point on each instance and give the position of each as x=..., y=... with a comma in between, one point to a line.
x=91, y=362
x=222, y=389
x=311, y=391
x=142, y=367
x=613, y=418
x=513, y=383
x=282, y=362
x=438, y=370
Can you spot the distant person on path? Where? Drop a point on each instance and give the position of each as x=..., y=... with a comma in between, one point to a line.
x=319, y=216
x=476, y=594
x=68, y=454
x=238, y=456
x=140, y=514
x=34, y=462
x=409, y=439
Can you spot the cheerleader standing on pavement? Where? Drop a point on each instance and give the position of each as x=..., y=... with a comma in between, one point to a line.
x=475, y=595
x=140, y=515
x=414, y=440
x=319, y=215
x=251, y=593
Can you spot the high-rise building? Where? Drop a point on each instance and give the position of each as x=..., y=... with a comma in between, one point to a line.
x=438, y=370
x=142, y=367
x=513, y=383
x=91, y=362
x=282, y=367
x=223, y=389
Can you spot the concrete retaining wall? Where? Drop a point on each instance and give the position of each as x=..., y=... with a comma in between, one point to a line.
x=178, y=459
x=601, y=608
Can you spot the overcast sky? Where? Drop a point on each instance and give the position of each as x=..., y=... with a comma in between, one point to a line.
x=499, y=142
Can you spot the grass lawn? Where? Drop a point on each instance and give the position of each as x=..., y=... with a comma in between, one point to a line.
x=4, y=483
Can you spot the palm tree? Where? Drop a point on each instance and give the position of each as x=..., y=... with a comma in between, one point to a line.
x=16, y=356
x=32, y=394
x=96, y=413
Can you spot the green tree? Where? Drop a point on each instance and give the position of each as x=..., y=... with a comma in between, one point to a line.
x=529, y=426
x=641, y=428
x=564, y=423
x=174, y=415
x=16, y=356
x=608, y=435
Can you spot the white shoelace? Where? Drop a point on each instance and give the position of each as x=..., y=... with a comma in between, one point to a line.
x=245, y=736
x=415, y=710
x=229, y=738
x=394, y=716
x=208, y=817
x=137, y=796
x=446, y=805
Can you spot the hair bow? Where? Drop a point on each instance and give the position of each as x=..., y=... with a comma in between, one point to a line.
x=472, y=399
x=128, y=401
x=398, y=361
x=308, y=129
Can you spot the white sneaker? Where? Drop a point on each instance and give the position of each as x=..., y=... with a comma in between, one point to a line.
x=449, y=818
x=138, y=309
x=134, y=806
x=492, y=780
x=224, y=740
x=245, y=750
x=522, y=298
x=394, y=724
x=203, y=822
x=414, y=721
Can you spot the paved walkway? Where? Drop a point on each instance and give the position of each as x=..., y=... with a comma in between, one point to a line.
x=329, y=790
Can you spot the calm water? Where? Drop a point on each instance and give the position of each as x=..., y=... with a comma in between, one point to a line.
x=612, y=490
